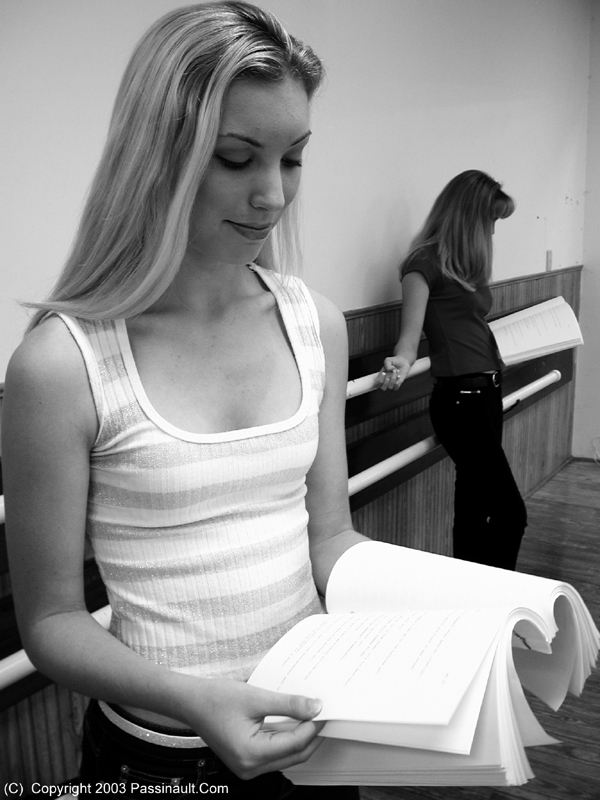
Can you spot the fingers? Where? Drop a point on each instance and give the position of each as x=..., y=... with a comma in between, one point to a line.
x=390, y=378
x=282, y=749
x=384, y=375
x=235, y=729
x=296, y=743
x=393, y=373
x=279, y=749
x=269, y=750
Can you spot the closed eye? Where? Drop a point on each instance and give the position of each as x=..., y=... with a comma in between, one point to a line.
x=288, y=163
x=234, y=165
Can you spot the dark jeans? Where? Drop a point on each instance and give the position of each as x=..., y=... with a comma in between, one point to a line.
x=489, y=513
x=115, y=763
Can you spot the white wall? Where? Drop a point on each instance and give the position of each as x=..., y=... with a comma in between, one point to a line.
x=587, y=392
x=417, y=91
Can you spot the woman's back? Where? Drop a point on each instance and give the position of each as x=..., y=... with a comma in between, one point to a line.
x=460, y=340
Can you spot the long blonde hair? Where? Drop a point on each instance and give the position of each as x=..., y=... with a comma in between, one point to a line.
x=134, y=228
x=460, y=225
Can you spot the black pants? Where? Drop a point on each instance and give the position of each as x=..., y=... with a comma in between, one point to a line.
x=118, y=764
x=489, y=513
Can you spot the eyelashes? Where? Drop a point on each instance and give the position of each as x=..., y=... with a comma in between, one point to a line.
x=237, y=166
x=233, y=165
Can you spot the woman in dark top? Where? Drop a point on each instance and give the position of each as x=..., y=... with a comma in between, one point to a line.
x=445, y=279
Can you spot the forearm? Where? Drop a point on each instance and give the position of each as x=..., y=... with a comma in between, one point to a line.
x=325, y=553
x=228, y=714
x=406, y=348
x=415, y=297
x=415, y=292
x=76, y=651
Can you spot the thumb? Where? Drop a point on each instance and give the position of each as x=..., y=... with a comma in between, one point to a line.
x=297, y=706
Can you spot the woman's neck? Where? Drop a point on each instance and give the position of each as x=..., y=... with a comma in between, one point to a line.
x=209, y=288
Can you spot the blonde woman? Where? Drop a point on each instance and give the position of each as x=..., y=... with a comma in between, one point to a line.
x=445, y=292
x=178, y=404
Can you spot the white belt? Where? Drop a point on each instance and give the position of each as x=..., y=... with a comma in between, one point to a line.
x=148, y=735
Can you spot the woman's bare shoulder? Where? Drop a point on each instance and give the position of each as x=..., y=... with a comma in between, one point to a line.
x=334, y=335
x=48, y=369
x=47, y=352
x=331, y=319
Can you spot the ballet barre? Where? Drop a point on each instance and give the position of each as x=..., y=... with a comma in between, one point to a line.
x=17, y=666
x=369, y=383
x=392, y=464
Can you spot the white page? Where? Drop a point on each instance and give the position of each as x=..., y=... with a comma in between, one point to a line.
x=456, y=737
x=412, y=667
x=545, y=677
x=531, y=732
x=537, y=330
x=372, y=576
x=376, y=576
x=553, y=302
x=371, y=764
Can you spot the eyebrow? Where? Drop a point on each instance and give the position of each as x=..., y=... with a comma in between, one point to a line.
x=256, y=143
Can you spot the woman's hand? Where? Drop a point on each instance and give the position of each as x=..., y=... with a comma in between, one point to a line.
x=231, y=720
x=393, y=373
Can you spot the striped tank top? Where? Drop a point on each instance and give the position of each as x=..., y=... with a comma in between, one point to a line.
x=201, y=539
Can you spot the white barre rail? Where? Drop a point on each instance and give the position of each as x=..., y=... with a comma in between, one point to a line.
x=389, y=465
x=18, y=665
x=369, y=382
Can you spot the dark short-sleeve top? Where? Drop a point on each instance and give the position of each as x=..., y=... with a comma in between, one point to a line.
x=460, y=340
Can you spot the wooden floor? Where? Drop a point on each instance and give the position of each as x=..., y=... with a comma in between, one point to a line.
x=562, y=542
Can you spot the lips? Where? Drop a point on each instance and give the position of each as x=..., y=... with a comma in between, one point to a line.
x=252, y=232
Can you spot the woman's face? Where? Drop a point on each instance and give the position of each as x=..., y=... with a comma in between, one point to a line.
x=254, y=171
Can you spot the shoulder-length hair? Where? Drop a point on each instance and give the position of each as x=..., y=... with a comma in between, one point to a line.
x=134, y=228
x=460, y=225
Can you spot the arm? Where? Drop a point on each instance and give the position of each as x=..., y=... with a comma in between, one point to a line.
x=49, y=425
x=330, y=524
x=415, y=294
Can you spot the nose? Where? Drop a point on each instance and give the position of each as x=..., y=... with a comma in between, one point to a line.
x=268, y=191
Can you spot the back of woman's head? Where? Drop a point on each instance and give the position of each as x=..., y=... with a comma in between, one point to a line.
x=461, y=224
x=163, y=130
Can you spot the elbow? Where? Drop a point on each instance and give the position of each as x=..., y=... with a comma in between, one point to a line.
x=29, y=659
x=43, y=643
x=32, y=642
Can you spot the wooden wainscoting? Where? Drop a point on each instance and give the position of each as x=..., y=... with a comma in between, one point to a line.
x=39, y=738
